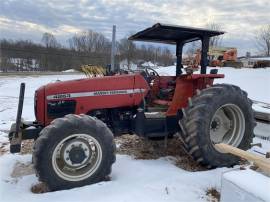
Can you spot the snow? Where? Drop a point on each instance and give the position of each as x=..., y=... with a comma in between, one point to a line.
x=166, y=71
x=148, y=64
x=70, y=70
x=255, y=81
x=261, y=107
x=246, y=179
x=131, y=180
x=9, y=92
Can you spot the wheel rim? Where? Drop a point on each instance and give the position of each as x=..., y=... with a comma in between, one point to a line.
x=77, y=157
x=228, y=125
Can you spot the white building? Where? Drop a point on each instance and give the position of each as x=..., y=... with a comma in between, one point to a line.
x=25, y=64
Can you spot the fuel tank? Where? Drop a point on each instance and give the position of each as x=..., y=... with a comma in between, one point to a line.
x=81, y=96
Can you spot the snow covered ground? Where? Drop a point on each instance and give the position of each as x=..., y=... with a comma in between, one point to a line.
x=131, y=180
x=70, y=71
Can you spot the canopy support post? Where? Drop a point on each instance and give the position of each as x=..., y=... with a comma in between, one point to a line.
x=204, y=52
x=179, y=51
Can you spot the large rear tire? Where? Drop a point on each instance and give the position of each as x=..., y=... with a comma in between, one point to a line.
x=218, y=114
x=74, y=151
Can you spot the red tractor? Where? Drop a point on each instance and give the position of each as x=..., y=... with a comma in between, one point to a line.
x=77, y=120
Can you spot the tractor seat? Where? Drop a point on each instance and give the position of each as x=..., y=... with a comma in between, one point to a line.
x=164, y=93
x=163, y=97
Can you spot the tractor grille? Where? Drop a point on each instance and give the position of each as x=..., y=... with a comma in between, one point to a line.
x=58, y=109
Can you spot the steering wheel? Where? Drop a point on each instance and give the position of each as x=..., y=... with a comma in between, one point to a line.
x=152, y=77
x=150, y=72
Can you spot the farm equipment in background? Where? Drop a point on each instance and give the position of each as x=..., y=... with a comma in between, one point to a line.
x=193, y=63
x=93, y=70
x=223, y=57
x=76, y=120
x=261, y=64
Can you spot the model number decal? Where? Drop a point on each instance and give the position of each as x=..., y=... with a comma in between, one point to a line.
x=94, y=93
x=61, y=96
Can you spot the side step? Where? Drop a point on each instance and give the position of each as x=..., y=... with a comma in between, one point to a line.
x=155, y=115
x=157, y=109
x=154, y=124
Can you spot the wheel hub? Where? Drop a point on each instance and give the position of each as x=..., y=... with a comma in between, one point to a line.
x=215, y=125
x=77, y=155
x=227, y=125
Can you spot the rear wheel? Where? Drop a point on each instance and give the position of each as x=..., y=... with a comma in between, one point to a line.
x=74, y=151
x=218, y=114
x=228, y=125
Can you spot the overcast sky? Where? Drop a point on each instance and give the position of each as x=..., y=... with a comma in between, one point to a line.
x=28, y=19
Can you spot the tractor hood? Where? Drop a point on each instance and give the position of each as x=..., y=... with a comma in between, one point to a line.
x=81, y=96
x=95, y=86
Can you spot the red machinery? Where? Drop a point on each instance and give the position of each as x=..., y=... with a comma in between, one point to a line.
x=224, y=57
x=76, y=120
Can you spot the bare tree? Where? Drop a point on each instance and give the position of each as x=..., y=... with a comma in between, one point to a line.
x=191, y=48
x=88, y=47
x=89, y=41
x=166, y=57
x=263, y=40
x=49, y=40
x=216, y=40
x=127, y=50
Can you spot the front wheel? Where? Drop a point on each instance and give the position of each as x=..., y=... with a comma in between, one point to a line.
x=74, y=151
x=218, y=114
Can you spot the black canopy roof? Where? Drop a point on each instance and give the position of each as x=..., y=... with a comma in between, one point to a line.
x=171, y=34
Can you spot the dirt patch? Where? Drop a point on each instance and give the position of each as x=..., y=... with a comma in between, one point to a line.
x=213, y=195
x=27, y=146
x=39, y=188
x=139, y=148
x=4, y=148
x=142, y=148
x=21, y=169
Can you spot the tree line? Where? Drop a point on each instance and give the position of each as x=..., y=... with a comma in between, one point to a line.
x=88, y=47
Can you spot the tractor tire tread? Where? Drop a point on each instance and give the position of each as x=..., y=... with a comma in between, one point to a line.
x=48, y=136
x=193, y=124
